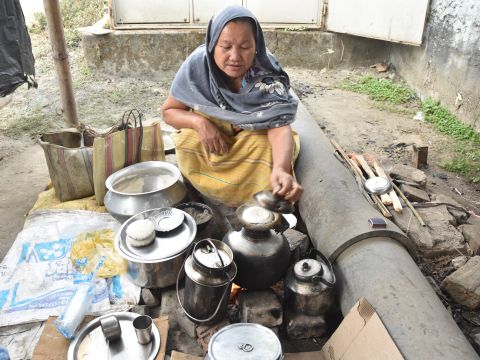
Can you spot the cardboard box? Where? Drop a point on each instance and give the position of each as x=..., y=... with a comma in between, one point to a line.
x=360, y=336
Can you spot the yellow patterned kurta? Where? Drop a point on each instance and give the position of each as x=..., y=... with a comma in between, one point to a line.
x=231, y=178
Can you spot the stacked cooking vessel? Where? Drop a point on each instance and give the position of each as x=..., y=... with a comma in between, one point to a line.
x=261, y=255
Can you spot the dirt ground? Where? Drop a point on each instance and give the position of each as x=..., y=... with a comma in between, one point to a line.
x=355, y=121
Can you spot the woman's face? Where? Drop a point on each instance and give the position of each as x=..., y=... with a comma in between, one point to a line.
x=235, y=49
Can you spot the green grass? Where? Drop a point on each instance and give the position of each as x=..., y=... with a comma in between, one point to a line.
x=447, y=123
x=75, y=14
x=394, y=97
x=33, y=124
x=380, y=89
x=466, y=151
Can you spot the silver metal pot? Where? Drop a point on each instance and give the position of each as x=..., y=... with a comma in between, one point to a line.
x=309, y=286
x=244, y=341
x=209, y=274
x=143, y=186
x=156, y=265
x=262, y=256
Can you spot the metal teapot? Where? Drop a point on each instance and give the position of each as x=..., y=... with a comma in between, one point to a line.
x=261, y=254
x=309, y=286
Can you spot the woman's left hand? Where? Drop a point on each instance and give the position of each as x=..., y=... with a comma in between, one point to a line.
x=285, y=185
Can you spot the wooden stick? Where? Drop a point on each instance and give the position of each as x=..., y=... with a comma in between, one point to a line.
x=397, y=205
x=359, y=173
x=409, y=204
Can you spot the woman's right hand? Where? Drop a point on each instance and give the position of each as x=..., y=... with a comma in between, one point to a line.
x=212, y=138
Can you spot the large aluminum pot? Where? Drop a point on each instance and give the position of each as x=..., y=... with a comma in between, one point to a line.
x=158, y=264
x=143, y=186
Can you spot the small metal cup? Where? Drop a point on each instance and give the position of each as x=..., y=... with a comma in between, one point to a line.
x=111, y=328
x=143, y=328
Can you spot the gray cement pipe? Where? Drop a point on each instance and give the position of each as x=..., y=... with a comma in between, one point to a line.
x=369, y=263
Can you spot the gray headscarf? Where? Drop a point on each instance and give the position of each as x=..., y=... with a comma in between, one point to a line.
x=263, y=102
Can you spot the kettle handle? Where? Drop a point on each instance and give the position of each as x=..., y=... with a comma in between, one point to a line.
x=315, y=252
x=221, y=299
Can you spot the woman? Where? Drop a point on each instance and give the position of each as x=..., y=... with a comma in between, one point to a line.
x=231, y=103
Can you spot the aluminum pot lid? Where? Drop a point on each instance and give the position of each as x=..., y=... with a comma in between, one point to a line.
x=378, y=185
x=257, y=215
x=312, y=270
x=206, y=255
x=245, y=341
x=165, y=245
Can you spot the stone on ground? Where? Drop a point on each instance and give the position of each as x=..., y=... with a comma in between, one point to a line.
x=463, y=285
x=471, y=233
x=459, y=261
x=298, y=243
x=460, y=215
x=149, y=298
x=299, y=326
x=260, y=307
x=473, y=219
x=414, y=194
x=205, y=332
x=176, y=316
x=140, y=309
x=438, y=238
x=408, y=173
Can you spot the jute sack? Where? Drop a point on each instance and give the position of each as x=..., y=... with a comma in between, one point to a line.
x=123, y=148
x=69, y=163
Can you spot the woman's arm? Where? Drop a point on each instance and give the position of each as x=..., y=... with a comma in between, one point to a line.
x=281, y=179
x=178, y=115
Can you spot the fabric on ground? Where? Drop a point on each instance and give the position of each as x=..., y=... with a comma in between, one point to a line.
x=37, y=277
x=231, y=178
x=47, y=200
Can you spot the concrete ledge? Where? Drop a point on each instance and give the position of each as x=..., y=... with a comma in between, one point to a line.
x=149, y=52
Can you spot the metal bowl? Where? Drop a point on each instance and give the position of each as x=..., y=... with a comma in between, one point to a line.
x=143, y=186
x=201, y=213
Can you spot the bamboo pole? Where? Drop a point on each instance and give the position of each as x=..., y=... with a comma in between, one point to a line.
x=60, y=57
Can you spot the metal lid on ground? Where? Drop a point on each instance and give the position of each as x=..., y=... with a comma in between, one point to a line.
x=245, y=341
x=378, y=185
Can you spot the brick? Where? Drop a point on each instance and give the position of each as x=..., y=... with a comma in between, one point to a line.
x=463, y=285
x=414, y=194
x=260, y=307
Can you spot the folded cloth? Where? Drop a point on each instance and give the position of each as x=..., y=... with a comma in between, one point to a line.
x=234, y=177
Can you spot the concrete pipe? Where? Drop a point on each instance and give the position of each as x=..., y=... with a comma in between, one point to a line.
x=370, y=263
